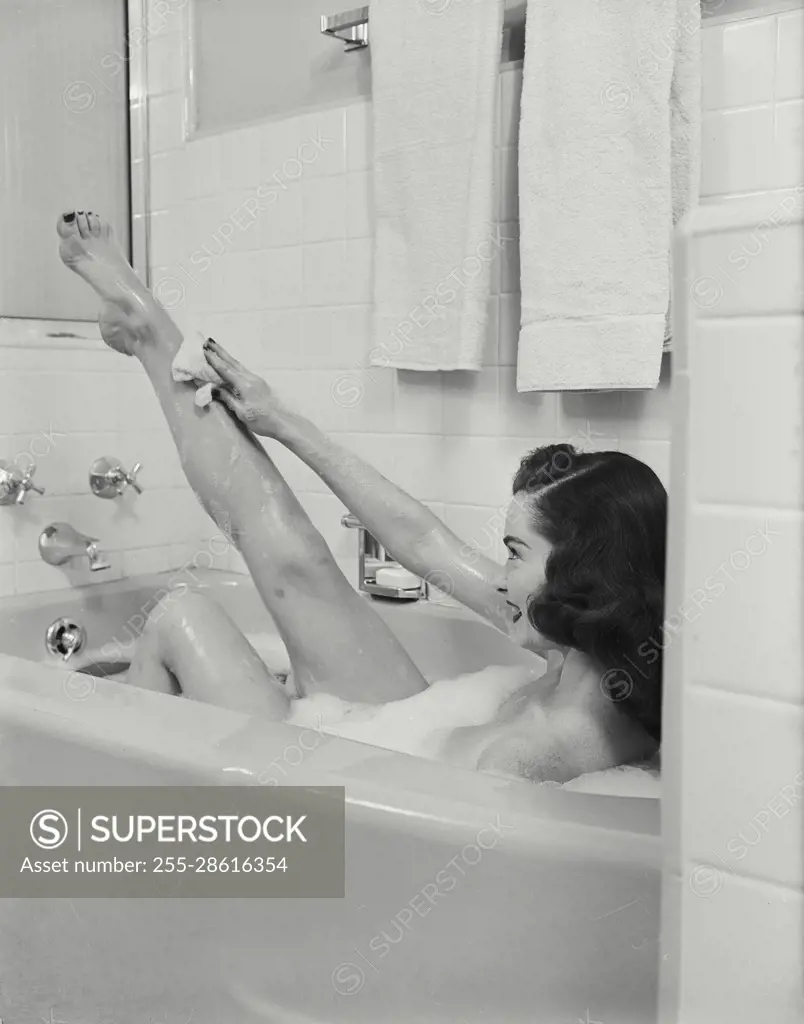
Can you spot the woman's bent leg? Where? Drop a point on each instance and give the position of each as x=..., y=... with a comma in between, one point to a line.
x=190, y=647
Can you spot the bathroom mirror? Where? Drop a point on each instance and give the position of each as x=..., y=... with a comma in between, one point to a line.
x=246, y=62
x=63, y=69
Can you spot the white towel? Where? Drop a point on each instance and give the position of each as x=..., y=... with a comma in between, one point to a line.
x=609, y=145
x=435, y=67
x=189, y=364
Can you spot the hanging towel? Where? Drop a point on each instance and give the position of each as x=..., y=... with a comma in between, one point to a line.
x=189, y=364
x=685, y=117
x=609, y=159
x=435, y=67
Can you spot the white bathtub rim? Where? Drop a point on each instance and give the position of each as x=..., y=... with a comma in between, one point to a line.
x=205, y=579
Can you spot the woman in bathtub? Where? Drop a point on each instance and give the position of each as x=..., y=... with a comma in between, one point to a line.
x=584, y=578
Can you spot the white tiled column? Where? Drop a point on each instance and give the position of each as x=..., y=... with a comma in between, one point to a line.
x=734, y=754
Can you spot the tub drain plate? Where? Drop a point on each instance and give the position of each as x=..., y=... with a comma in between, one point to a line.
x=64, y=638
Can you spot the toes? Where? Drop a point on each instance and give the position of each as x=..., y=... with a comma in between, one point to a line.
x=83, y=223
x=66, y=225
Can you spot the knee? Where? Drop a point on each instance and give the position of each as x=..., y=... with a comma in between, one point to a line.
x=175, y=608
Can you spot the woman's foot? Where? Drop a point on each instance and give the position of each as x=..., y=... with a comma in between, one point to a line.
x=131, y=316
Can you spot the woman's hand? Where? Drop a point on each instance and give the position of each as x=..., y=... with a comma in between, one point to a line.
x=246, y=395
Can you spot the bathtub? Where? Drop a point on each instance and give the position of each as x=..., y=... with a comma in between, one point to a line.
x=555, y=922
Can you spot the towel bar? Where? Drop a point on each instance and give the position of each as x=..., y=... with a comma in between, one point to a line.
x=351, y=27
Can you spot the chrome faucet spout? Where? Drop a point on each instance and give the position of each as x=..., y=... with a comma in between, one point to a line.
x=60, y=543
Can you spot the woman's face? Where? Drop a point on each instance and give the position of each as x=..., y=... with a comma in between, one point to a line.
x=524, y=572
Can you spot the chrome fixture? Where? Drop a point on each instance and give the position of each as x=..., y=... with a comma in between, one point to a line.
x=14, y=484
x=65, y=638
x=371, y=556
x=59, y=542
x=108, y=479
x=142, y=24
x=351, y=27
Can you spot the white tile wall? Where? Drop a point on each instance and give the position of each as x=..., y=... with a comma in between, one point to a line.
x=790, y=45
x=89, y=402
x=747, y=942
x=734, y=758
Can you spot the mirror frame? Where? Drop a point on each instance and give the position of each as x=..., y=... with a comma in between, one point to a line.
x=138, y=156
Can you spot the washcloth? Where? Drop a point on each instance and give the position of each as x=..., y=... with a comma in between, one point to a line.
x=609, y=159
x=435, y=67
x=189, y=364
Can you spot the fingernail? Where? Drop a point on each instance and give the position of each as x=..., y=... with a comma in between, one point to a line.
x=69, y=217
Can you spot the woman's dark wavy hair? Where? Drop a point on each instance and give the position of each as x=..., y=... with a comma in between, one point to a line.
x=605, y=515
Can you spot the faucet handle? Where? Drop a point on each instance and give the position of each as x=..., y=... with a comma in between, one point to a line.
x=131, y=478
x=26, y=484
x=108, y=479
x=15, y=485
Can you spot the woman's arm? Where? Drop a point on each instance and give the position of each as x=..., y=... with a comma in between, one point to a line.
x=416, y=537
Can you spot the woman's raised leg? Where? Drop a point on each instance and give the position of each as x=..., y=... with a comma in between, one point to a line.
x=335, y=639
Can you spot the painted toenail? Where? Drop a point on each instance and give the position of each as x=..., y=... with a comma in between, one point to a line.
x=69, y=217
